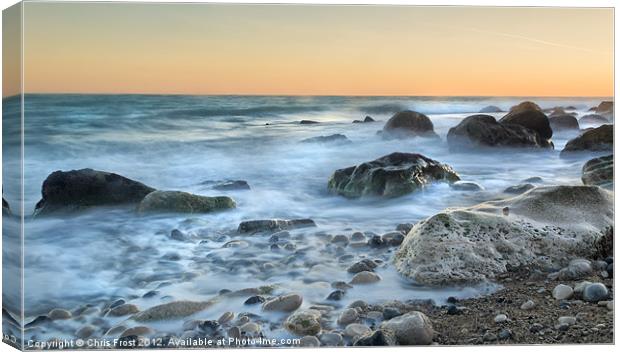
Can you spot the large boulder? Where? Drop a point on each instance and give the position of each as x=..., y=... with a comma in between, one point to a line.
x=605, y=108
x=531, y=118
x=409, y=124
x=72, y=191
x=183, y=202
x=484, y=131
x=596, y=139
x=564, y=122
x=593, y=119
x=392, y=175
x=525, y=106
x=541, y=229
x=599, y=172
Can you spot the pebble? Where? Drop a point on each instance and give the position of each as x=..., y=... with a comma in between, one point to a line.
x=249, y=328
x=304, y=322
x=137, y=331
x=527, y=305
x=59, y=314
x=376, y=242
x=234, y=332
x=363, y=265
x=309, y=341
x=413, y=328
x=226, y=317
x=567, y=320
x=341, y=285
x=335, y=295
x=562, y=291
x=536, y=327
x=85, y=332
x=331, y=339
x=505, y=334
x=489, y=336
x=354, y=330
x=595, y=292
x=358, y=236
x=254, y=300
x=359, y=304
x=389, y=313
x=365, y=277
x=500, y=318
x=348, y=316
x=285, y=303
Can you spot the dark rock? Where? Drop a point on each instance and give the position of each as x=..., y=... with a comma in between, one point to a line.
x=77, y=190
x=597, y=139
x=183, y=202
x=150, y=294
x=453, y=310
x=564, y=122
x=452, y=300
x=595, y=292
x=519, y=189
x=363, y=265
x=389, y=313
x=392, y=175
x=535, y=179
x=490, y=109
x=376, y=242
x=253, y=226
x=308, y=122
x=479, y=131
x=177, y=235
x=336, y=295
x=404, y=228
x=366, y=120
x=605, y=107
x=231, y=185
x=254, y=300
x=409, y=124
x=530, y=118
x=6, y=209
x=610, y=270
x=466, y=186
x=377, y=338
x=525, y=106
x=593, y=119
x=334, y=138
x=505, y=334
x=599, y=172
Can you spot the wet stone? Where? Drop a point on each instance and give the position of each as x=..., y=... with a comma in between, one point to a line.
x=389, y=313
x=336, y=295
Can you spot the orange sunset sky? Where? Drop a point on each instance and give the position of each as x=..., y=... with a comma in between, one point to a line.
x=317, y=50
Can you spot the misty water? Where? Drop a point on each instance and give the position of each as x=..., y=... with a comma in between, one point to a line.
x=179, y=142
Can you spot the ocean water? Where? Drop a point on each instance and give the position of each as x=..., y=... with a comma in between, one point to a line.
x=178, y=142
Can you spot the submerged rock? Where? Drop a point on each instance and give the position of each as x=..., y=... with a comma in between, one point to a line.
x=183, y=202
x=227, y=185
x=599, y=172
x=564, y=122
x=273, y=225
x=489, y=109
x=6, y=209
x=478, y=131
x=172, y=310
x=519, y=189
x=597, y=139
x=333, y=138
x=466, y=186
x=409, y=124
x=308, y=122
x=77, y=190
x=593, y=119
x=366, y=120
x=547, y=226
x=392, y=175
x=413, y=328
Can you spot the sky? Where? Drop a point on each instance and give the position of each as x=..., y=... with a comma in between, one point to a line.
x=317, y=50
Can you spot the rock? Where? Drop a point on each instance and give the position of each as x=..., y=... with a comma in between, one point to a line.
x=534, y=179
x=579, y=287
x=500, y=318
x=605, y=107
x=123, y=309
x=234, y=332
x=365, y=277
x=567, y=321
x=393, y=238
x=228, y=185
x=355, y=330
x=599, y=172
x=531, y=117
x=466, y=186
x=358, y=236
x=331, y=339
x=304, y=322
x=404, y=228
x=528, y=305
x=77, y=190
x=341, y=285
x=610, y=270
x=561, y=292
x=593, y=119
x=376, y=242
x=254, y=226
x=409, y=123
x=576, y=269
x=183, y=202
x=348, y=316
x=137, y=331
x=594, y=140
x=546, y=226
x=59, y=314
x=359, y=304
x=254, y=300
x=377, y=338
x=309, y=341
x=413, y=328
x=285, y=303
x=392, y=175
x=519, y=189
x=336, y=295
x=482, y=131
x=564, y=122
x=171, y=310
x=595, y=292
x=6, y=209
x=85, y=332
x=453, y=310
x=490, y=109
x=250, y=329
x=489, y=336
x=505, y=334
x=368, y=119
x=334, y=138
x=177, y=235
x=226, y=317
x=389, y=313
x=340, y=239
x=525, y=106
x=308, y=122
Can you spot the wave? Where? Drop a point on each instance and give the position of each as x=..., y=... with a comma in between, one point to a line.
x=271, y=110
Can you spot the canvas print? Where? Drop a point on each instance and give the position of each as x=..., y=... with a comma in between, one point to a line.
x=234, y=175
